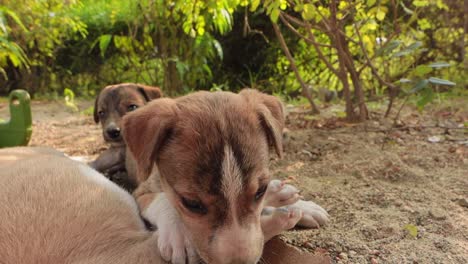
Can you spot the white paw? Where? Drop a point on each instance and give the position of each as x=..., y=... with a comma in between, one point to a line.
x=276, y=220
x=280, y=194
x=314, y=215
x=175, y=247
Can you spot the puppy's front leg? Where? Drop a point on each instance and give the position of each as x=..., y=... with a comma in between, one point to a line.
x=111, y=159
x=173, y=245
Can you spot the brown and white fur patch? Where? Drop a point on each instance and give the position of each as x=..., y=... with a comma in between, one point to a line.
x=211, y=157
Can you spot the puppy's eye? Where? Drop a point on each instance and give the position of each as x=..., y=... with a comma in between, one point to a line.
x=131, y=107
x=194, y=206
x=101, y=113
x=261, y=191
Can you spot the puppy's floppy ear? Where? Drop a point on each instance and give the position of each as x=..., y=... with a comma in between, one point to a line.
x=95, y=113
x=149, y=92
x=271, y=114
x=145, y=131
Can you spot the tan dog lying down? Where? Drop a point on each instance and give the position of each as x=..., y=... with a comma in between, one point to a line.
x=55, y=210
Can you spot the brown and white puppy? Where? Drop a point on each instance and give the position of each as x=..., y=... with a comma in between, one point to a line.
x=211, y=153
x=56, y=210
x=112, y=103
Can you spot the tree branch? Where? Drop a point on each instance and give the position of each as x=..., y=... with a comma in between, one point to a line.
x=295, y=31
x=284, y=47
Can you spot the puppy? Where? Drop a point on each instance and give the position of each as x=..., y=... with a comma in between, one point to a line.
x=111, y=105
x=210, y=157
x=56, y=210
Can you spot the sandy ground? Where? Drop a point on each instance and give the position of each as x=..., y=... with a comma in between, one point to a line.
x=394, y=195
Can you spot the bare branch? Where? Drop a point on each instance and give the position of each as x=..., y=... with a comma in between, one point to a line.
x=284, y=47
x=249, y=30
x=295, y=31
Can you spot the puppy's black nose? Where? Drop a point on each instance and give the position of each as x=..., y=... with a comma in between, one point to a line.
x=113, y=132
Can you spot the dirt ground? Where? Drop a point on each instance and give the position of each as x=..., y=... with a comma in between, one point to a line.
x=394, y=195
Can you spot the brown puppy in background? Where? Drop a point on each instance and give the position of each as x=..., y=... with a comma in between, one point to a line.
x=210, y=154
x=56, y=210
x=112, y=103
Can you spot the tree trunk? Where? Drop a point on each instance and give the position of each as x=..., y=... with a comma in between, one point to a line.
x=172, y=82
x=347, y=65
x=465, y=33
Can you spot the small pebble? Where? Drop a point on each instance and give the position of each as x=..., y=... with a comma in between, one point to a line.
x=463, y=202
x=437, y=214
x=352, y=253
x=374, y=261
x=343, y=256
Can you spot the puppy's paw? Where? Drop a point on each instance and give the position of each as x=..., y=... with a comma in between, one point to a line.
x=174, y=246
x=276, y=220
x=281, y=194
x=314, y=215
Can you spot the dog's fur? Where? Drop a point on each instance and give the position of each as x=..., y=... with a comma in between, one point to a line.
x=112, y=103
x=56, y=210
x=211, y=152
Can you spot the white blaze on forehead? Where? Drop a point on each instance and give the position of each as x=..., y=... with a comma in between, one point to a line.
x=231, y=182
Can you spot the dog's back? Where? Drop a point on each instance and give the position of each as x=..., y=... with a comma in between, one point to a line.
x=55, y=210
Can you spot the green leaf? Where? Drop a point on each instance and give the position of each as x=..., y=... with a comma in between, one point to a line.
x=422, y=70
x=13, y=15
x=435, y=80
x=439, y=64
x=408, y=50
x=104, y=41
x=414, y=46
x=419, y=86
x=274, y=15
x=283, y=4
x=424, y=24
x=420, y=3
x=380, y=15
x=388, y=48
x=405, y=80
x=308, y=12
x=370, y=3
x=254, y=5
x=412, y=230
x=298, y=8
x=427, y=96
x=218, y=48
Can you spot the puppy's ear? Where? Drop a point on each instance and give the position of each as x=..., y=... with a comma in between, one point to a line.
x=145, y=131
x=271, y=114
x=149, y=92
x=95, y=113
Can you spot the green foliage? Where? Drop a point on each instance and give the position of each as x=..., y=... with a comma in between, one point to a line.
x=46, y=46
x=421, y=82
x=9, y=50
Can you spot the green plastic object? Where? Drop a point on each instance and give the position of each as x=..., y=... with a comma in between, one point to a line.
x=17, y=131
